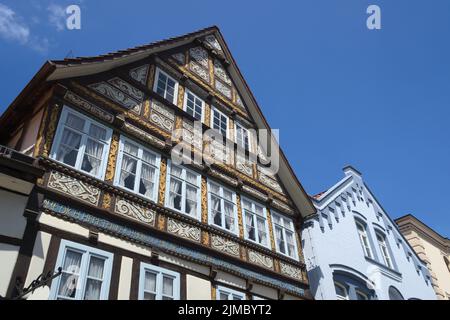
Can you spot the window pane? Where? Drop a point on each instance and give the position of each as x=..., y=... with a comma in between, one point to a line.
x=69, y=278
x=128, y=172
x=223, y=296
x=147, y=181
x=168, y=286
x=175, y=194
x=97, y=132
x=130, y=148
x=68, y=148
x=93, y=157
x=176, y=171
x=191, y=178
x=93, y=289
x=149, y=158
x=150, y=282
x=149, y=296
x=96, y=266
x=75, y=122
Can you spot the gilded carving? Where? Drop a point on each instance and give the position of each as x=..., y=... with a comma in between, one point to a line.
x=162, y=181
x=74, y=188
x=111, y=167
x=260, y=259
x=183, y=230
x=240, y=215
x=205, y=238
x=204, y=201
x=269, y=222
x=51, y=128
x=37, y=147
x=107, y=199
x=161, y=222
x=147, y=108
x=151, y=77
x=225, y=245
x=135, y=212
x=180, y=96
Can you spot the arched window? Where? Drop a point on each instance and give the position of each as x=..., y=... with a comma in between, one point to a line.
x=447, y=263
x=394, y=294
x=341, y=291
x=381, y=239
x=363, y=238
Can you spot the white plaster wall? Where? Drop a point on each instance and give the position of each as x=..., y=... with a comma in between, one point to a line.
x=126, y=268
x=266, y=292
x=8, y=258
x=197, y=288
x=32, y=132
x=229, y=279
x=37, y=262
x=12, y=220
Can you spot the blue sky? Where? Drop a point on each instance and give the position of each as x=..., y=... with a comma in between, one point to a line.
x=339, y=93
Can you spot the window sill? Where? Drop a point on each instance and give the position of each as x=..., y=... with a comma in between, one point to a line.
x=385, y=270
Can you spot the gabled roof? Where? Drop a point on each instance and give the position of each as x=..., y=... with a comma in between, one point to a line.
x=83, y=66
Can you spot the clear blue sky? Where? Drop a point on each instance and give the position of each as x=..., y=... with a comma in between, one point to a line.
x=340, y=94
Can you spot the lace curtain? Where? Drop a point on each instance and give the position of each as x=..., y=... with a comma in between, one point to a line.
x=280, y=240
x=95, y=279
x=250, y=230
x=93, y=157
x=191, y=200
x=68, y=148
x=69, y=278
x=229, y=219
x=128, y=169
x=215, y=206
x=174, y=194
x=262, y=231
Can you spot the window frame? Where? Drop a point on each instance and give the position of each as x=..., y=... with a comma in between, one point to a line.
x=187, y=91
x=244, y=128
x=83, y=141
x=160, y=273
x=222, y=201
x=361, y=293
x=387, y=259
x=343, y=287
x=366, y=249
x=229, y=292
x=284, y=229
x=183, y=190
x=87, y=252
x=140, y=161
x=155, y=85
x=215, y=109
x=254, y=214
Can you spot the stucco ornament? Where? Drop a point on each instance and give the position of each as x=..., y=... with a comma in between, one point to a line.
x=74, y=188
x=183, y=230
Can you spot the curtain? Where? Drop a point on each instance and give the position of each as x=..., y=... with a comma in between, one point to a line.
x=217, y=214
x=262, y=231
x=191, y=200
x=95, y=279
x=68, y=148
x=250, y=230
x=290, y=243
x=147, y=178
x=92, y=157
x=150, y=286
x=229, y=219
x=127, y=172
x=174, y=194
x=69, y=278
x=167, y=286
x=280, y=240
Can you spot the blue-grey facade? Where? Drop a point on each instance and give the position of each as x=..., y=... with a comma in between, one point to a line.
x=354, y=251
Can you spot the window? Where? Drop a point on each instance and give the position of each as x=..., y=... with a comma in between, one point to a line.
x=361, y=295
x=229, y=294
x=82, y=143
x=242, y=136
x=384, y=250
x=219, y=121
x=447, y=263
x=364, y=239
x=341, y=291
x=137, y=169
x=156, y=283
x=222, y=207
x=193, y=105
x=183, y=190
x=166, y=86
x=284, y=236
x=256, y=229
x=394, y=294
x=85, y=274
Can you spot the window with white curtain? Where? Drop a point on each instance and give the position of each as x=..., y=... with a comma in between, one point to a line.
x=166, y=86
x=242, y=136
x=255, y=226
x=224, y=293
x=193, y=105
x=86, y=273
x=341, y=291
x=284, y=235
x=137, y=169
x=222, y=207
x=363, y=238
x=81, y=143
x=384, y=249
x=156, y=283
x=219, y=122
x=183, y=190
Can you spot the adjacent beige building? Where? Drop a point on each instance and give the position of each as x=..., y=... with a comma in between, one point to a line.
x=433, y=249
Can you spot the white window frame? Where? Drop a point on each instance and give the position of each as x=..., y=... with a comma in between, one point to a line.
x=384, y=253
x=141, y=150
x=254, y=217
x=202, y=117
x=214, y=109
x=84, y=136
x=284, y=229
x=222, y=200
x=160, y=272
x=155, y=85
x=86, y=252
x=183, y=191
x=344, y=288
x=243, y=128
x=363, y=234
x=361, y=293
x=230, y=293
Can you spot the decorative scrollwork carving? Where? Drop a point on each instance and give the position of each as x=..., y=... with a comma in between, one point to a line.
x=260, y=259
x=51, y=129
x=183, y=230
x=112, y=157
x=91, y=108
x=140, y=74
x=225, y=245
x=74, y=188
x=162, y=116
x=291, y=271
x=162, y=181
x=134, y=211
